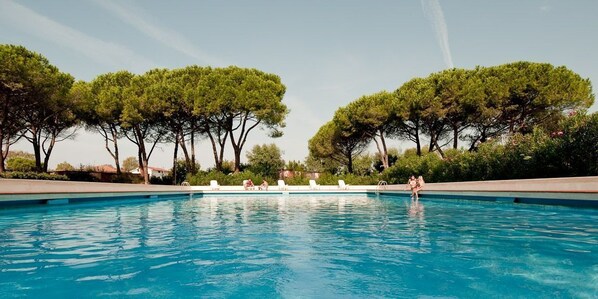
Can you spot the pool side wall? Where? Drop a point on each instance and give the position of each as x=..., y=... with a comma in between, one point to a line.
x=578, y=191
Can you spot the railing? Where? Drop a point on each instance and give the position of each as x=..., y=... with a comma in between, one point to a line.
x=381, y=185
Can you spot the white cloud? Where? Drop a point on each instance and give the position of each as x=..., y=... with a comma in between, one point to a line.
x=433, y=12
x=107, y=53
x=169, y=38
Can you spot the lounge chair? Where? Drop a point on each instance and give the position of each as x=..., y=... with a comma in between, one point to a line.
x=313, y=185
x=342, y=185
x=214, y=185
x=282, y=185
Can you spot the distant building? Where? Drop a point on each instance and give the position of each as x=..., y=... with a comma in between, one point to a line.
x=153, y=171
x=106, y=168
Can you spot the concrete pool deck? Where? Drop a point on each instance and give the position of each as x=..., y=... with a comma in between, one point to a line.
x=577, y=191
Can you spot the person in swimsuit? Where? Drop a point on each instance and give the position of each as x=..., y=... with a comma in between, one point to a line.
x=264, y=185
x=412, y=184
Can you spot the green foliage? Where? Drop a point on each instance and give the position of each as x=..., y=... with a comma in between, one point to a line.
x=363, y=164
x=64, y=166
x=82, y=176
x=265, y=160
x=455, y=105
x=165, y=180
x=203, y=178
x=426, y=165
x=570, y=151
x=127, y=178
x=335, y=142
x=234, y=101
x=578, y=146
x=351, y=179
x=20, y=164
x=297, y=180
x=182, y=170
x=228, y=166
x=130, y=163
x=33, y=176
x=295, y=166
x=21, y=154
x=35, y=99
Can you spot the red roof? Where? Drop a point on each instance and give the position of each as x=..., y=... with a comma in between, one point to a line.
x=105, y=168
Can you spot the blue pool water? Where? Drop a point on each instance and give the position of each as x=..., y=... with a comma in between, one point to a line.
x=299, y=246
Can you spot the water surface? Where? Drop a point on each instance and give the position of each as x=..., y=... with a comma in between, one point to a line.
x=299, y=246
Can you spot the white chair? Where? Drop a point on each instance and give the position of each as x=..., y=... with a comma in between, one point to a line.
x=282, y=185
x=214, y=185
x=342, y=185
x=313, y=185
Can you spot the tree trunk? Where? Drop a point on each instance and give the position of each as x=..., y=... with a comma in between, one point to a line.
x=383, y=140
x=3, y=150
x=432, y=142
x=143, y=163
x=116, y=155
x=418, y=145
x=217, y=162
x=350, y=163
x=382, y=152
x=140, y=161
x=2, y=169
x=49, y=152
x=176, y=149
x=440, y=151
x=146, y=171
x=183, y=145
x=237, y=151
x=193, y=167
x=37, y=150
x=455, y=137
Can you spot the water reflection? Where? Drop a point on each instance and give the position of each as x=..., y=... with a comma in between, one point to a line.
x=416, y=209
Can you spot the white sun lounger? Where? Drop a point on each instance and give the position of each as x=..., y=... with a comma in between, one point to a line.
x=342, y=185
x=214, y=185
x=313, y=185
x=282, y=185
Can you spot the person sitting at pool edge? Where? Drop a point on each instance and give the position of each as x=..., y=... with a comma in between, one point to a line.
x=249, y=185
x=419, y=186
x=264, y=185
x=412, y=184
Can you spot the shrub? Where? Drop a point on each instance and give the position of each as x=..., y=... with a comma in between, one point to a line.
x=81, y=176
x=428, y=165
x=297, y=181
x=33, y=176
x=20, y=164
x=351, y=179
x=203, y=178
x=165, y=180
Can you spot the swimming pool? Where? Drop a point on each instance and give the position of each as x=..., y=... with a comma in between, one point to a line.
x=351, y=246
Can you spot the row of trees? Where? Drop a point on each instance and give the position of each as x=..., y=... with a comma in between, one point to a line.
x=453, y=106
x=41, y=104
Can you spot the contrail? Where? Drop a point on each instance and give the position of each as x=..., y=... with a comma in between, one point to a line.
x=433, y=12
x=134, y=16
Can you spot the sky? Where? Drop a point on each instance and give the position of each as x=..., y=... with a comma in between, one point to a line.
x=327, y=53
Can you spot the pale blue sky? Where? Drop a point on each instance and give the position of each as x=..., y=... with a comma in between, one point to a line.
x=328, y=53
